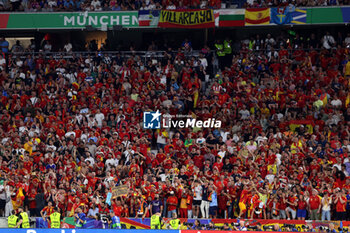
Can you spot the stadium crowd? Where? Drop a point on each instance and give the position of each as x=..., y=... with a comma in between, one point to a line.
x=131, y=5
x=72, y=132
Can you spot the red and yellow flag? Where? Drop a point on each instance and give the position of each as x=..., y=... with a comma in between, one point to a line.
x=257, y=16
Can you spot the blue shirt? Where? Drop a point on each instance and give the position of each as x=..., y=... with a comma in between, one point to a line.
x=214, y=200
x=116, y=220
x=348, y=204
x=81, y=216
x=4, y=44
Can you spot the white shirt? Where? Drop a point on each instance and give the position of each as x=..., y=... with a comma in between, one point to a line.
x=52, y=3
x=347, y=40
x=111, y=162
x=171, y=7
x=93, y=212
x=34, y=100
x=224, y=135
x=95, y=3
x=2, y=61
x=47, y=47
x=68, y=47
x=336, y=103
x=260, y=139
x=68, y=134
x=51, y=147
x=270, y=178
x=99, y=118
x=328, y=40
x=245, y=113
x=326, y=204
x=204, y=62
x=198, y=193
x=200, y=140
x=92, y=162
x=222, y=154
x=2, y=192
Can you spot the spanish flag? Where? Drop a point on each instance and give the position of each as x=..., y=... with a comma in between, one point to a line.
x=324, y=99
x=257, y=16
x=18, y=202
x=76, y=85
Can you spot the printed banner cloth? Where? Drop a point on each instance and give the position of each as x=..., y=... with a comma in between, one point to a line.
x=148, y=18
x=259, y=16
x=186, y=19
x=281, y=15
x=139, y=223
x=68, y=20
x=229, y=17
x=324, y=15
x=298, y=16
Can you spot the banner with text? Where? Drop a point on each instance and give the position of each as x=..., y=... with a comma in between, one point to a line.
x=186, y=19
x=34, y=230
x=68, y=20
x=201, y=18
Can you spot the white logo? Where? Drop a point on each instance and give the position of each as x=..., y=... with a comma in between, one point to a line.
x=152, y=120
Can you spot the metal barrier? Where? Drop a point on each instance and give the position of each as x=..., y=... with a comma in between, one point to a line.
x=144, y=55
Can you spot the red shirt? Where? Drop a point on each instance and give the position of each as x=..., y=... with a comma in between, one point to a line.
x=48, y=210
x=341, y=207
x=314, y=202
x=117, y=210
x=172, y=203
x=301, y=205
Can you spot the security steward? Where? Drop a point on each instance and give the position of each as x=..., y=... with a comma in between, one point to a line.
x=55, y=219
x=228, y=52
x=12, y=220
x=220, y=53
x=156, y=221
x=23, y=219
x=175, y=222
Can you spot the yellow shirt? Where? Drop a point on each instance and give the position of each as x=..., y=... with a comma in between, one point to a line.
x=347, y=68
x=294, y=146
x=183, y=203
x=28, y=146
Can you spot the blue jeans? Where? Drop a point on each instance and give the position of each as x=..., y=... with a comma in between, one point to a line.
x=230, y=211
x=326, y=215
x=170, y=213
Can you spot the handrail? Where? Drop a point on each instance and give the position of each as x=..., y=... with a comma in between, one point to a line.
x=144, y=55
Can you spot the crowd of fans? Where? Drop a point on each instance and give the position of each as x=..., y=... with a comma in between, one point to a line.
x=72, y=132
x=132, y=5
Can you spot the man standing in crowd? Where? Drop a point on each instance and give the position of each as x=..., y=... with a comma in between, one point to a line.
x=156, y=221
x=175, y=222
x=115, y=221
x=55, y=218
x=4, y=45
x=79, y=218
x=23, y=219
x=12, y=220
